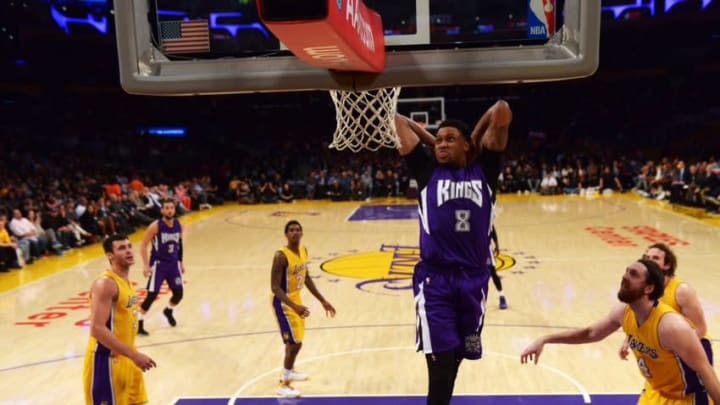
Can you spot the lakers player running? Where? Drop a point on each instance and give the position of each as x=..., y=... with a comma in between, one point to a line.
x=668, y=353
x=113, y=367
x=289, y=275
x=455, y=204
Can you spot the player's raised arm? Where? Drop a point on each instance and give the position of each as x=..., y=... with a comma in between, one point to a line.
x=408, y=138
x=492, y=129
x=425, y=136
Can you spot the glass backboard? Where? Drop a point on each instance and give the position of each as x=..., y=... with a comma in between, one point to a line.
x=427, y=111
x=428, y=43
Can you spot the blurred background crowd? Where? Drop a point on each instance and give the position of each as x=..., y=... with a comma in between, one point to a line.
x=76, y=163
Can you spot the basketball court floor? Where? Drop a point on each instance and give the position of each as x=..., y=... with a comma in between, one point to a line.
x=561, y=264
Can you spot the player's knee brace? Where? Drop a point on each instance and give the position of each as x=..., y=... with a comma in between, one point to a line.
x=149, y=299
x=177, y=295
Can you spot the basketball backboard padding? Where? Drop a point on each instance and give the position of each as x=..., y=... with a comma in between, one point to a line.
x=573, y=52
x=332, y=39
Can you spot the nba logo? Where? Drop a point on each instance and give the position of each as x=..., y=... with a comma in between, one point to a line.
x=541, y=18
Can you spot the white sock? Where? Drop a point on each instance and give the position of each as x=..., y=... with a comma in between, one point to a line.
x=286, y=374
x=500, y=293
x=140, y=316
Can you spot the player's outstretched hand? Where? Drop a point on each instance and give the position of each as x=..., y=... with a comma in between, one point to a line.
x=532, y=352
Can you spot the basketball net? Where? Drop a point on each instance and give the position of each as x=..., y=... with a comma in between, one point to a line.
x=365, y=119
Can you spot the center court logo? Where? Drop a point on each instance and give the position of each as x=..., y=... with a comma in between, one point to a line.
x=387, y=271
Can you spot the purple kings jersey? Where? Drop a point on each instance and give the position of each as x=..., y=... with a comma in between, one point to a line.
x=166, y=243
x=455, y=218
x=455, y=207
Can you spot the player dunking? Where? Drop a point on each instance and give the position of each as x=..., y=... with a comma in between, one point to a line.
x=165, y=262
x=455, y=211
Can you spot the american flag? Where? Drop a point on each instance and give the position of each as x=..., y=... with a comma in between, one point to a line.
x=191, y=36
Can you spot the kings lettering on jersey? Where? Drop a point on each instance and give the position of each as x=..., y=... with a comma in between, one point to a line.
x=166, y=243
x=170, y=237
x=454, y=209
x=449, y=190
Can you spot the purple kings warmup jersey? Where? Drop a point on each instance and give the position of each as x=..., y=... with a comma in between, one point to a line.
x=166, y=243
x=455, y=207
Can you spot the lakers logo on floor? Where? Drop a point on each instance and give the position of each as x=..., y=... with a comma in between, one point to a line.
x=504, y=262
x=387, y=271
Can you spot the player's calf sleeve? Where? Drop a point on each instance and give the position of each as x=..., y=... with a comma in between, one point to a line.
x=455, y=369
x=177, y=295
x=496, y=280
x=149, y=299
x=442, y=369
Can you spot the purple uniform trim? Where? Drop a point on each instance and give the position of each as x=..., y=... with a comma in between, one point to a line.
x=450, y=310
x=286, y=331
x=101, y=390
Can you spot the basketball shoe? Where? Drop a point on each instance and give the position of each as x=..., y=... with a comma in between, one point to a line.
x=296, y=376
x=141, y=329
x=503, y=302
x=287, y=391
x=168, y=312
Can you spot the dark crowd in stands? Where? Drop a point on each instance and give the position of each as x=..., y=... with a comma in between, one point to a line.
x=75, y=169
x=60, y=192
